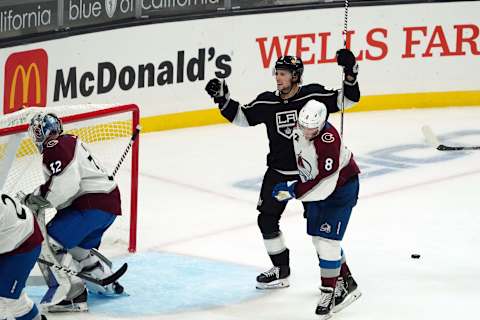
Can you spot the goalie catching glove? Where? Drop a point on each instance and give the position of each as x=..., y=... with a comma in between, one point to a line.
x=33, y=202
x=284, y=191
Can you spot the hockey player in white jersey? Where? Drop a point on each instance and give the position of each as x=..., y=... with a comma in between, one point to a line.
x=329, y=184
x=87, y=201
x=20, y=243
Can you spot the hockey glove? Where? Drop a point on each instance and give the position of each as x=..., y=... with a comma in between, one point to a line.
x=36, y=202
x=218, y=90
x=346, y=59
x=284, y=191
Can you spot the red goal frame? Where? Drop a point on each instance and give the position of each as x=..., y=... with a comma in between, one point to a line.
x=134, y=110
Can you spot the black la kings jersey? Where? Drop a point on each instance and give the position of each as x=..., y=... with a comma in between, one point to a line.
x=280, y=116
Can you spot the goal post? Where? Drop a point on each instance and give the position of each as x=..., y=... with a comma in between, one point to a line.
x=106, y=129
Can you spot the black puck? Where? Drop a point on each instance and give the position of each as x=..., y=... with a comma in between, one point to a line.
x=415, y=256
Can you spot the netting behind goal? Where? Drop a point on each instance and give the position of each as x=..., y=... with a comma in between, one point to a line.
x=106, y=129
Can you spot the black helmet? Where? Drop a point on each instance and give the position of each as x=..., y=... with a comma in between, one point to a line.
x=291, y=63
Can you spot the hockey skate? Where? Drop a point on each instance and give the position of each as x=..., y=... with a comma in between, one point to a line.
x=346, y=292
x=276, y=277
x=77, y=304
x=326, y=303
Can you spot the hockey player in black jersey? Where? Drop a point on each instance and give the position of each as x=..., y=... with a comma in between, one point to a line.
x=278, y=111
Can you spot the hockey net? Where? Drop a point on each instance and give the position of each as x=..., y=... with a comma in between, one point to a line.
x=106, y=129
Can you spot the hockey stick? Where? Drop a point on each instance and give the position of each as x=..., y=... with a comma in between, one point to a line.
x=434, y=142
x=345, y=25
x=125, y=152
x=102, y=282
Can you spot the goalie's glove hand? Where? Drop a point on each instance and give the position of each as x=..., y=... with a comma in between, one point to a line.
x=218, y=90
x=35, y=202
x=284, y=191
x=346, y=59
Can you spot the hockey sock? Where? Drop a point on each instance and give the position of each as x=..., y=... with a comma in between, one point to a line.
x=329, y=282
x=281, y=259
x=345, y=271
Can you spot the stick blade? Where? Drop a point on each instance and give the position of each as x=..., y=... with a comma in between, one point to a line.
x=430, y=136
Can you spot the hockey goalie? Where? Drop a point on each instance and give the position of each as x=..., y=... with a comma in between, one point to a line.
x=87, y=202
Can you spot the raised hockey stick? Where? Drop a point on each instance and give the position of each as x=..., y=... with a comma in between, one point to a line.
x=126, y=151
x=102, y=282
x=345, y=26
x=434, y=142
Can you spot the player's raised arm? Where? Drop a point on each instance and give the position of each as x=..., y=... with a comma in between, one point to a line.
x=346, y=59
x=243, y=116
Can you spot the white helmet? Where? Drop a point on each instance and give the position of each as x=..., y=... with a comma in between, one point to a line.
x=313, y=115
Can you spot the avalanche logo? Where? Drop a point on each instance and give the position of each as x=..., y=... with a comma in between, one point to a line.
x=52, y=143
x=110, y=7
x=325, y=228
x=286, y=122
x=304, y=169
x=327, y=137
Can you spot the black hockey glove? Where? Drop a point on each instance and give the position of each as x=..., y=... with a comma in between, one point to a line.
x=218, y=90
x=346, y=59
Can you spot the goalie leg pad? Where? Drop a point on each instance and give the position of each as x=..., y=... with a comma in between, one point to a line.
x=95, y=265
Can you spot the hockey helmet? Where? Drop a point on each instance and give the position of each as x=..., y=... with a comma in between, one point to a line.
x=313, y=115
x=44, y=126
x=292, y=64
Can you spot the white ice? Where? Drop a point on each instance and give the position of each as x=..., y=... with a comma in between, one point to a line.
x=189, y=206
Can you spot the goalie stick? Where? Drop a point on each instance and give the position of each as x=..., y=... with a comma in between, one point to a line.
x=434, y=142
x=127, y=149
x=102, y=282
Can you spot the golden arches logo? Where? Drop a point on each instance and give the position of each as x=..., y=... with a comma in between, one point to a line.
x=25, y=80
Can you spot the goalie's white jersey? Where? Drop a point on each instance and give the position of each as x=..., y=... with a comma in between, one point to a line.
x=75, y=178
x=19, y=231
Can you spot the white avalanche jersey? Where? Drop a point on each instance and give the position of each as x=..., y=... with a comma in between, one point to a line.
x=16, y=224
x=324, y=164
x=74, y=178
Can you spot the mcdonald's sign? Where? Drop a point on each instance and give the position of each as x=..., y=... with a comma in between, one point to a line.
x=25, y=82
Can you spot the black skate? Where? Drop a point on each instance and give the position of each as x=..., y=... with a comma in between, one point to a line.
x=77, y=304
x=326, y=303
x=276, y=277
x=346, y=292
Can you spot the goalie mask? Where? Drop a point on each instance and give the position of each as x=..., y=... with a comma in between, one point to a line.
x=44, y=127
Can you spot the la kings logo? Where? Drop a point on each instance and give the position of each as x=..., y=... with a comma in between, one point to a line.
x=286, y=122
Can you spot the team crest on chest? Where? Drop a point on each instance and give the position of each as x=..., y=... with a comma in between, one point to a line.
x=286, y=122
x=52, y=143
x=327, y=137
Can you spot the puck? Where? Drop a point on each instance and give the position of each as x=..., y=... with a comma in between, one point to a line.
x=415, y=256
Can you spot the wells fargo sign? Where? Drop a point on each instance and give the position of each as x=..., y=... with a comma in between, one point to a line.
x=25, y=80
